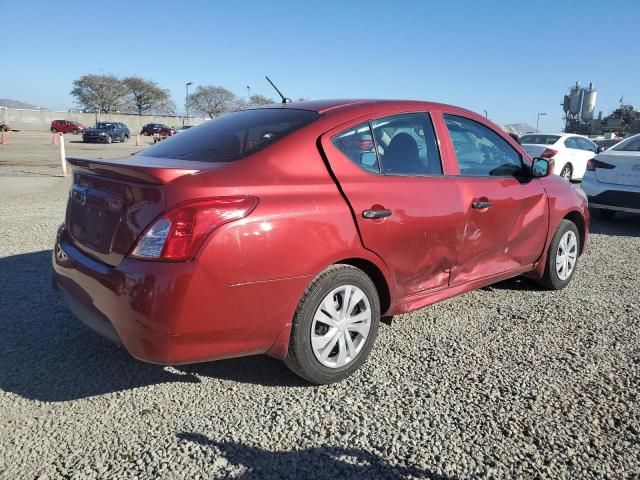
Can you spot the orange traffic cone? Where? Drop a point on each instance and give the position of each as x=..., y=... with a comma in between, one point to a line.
x=138, y=140
x=4, y=137
x=54, y=139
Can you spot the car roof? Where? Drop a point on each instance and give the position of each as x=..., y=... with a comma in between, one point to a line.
x=346, y=105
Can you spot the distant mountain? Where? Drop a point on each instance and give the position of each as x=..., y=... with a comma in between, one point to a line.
x=6, y=102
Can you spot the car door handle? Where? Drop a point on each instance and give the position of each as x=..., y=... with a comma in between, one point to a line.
x=373, y=214
x=481, y=205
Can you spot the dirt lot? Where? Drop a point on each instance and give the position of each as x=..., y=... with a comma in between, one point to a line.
x=31, y=153
x=506, y=382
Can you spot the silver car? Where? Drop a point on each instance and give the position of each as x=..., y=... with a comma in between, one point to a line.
x=612, y=179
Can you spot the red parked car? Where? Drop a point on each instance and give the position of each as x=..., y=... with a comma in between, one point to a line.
x=67, y=126
x=292, y=230
x=157, y=129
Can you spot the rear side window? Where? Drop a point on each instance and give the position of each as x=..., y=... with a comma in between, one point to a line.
x=479, y=150
x=629, y=145
x=406, y=145
x=232, y=136
x=357, y=144
x=398, y=145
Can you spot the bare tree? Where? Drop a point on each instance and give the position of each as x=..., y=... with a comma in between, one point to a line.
x=212, y=100
x=145, y=95
x=260, y=100
x=99, y=92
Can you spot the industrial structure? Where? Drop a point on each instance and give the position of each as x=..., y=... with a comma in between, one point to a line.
x=579, y=107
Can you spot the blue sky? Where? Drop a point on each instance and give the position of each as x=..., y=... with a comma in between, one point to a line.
x=512, y=58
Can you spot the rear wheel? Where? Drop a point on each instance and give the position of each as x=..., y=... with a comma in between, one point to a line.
x=53, y=130
x=109, y=139
x=567, y=172
x=562, y=256
x=335, y=325
x=606, y=214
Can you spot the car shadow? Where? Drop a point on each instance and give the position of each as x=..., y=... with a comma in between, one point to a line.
x=317, y=463
x=48, y=355
x=622, y=225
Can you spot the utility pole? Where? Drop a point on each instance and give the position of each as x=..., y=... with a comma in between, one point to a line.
x=186, y=101
x=538, y=120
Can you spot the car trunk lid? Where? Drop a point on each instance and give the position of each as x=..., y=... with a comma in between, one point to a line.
x=626, y=169
x=112, y=202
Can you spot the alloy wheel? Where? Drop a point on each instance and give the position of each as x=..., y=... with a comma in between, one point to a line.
x=566, y=255
x=341, y=326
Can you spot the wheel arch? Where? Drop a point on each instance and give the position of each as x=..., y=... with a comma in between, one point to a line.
x=376, y=276
x=576, y=218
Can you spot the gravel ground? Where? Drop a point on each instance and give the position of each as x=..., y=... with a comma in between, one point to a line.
x=505, y=382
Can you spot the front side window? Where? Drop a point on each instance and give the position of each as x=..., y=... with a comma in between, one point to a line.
x=233, y=136
x=480, y=151
x=357, y=144
x=587, y=145
x=406, y=145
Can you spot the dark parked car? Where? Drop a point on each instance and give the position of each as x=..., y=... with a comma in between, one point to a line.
x=291, y=230
x=157, y=128
x=67, y=126
x=106, y=132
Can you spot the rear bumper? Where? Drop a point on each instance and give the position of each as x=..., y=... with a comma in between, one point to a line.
x=173, y=313
x=624, y=198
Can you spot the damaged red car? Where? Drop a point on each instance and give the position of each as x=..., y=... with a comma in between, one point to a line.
x=292, y=230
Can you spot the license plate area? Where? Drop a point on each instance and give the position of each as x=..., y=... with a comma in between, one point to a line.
x=93, y=217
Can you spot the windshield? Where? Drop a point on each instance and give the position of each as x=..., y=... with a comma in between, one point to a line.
x=232, y=136
x=104, y=126
x=629, y=145
x=539, y=139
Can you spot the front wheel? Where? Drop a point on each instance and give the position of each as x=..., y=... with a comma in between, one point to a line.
x=335, y=325
x=562, y=256
x=109, y=139
x=75, y=131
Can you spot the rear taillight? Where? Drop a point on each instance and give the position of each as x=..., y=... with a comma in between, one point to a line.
x=593, y=164
x=178, y=234
x=549, y=153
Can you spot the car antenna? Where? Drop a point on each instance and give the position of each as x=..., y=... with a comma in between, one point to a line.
x=284, y=99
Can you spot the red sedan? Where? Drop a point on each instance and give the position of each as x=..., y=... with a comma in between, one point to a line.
x=292, y=230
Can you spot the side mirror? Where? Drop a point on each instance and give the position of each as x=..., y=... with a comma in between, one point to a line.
x=541, y=167
x=600, y=149
x=368, y=159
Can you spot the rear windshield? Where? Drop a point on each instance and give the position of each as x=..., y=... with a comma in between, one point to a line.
x=539, y=139
x=629, y=145
x=232, y=136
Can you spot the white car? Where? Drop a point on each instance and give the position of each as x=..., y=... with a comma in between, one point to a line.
x=569, y=152
x=612, y=181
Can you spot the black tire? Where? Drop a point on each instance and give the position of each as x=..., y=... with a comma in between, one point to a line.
x=125, y=138
x=75, y=131
x=109, y=139
x=300, y=358
x=567, y=172
x=550, y=279
x=53, y=130
x=606, y=215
